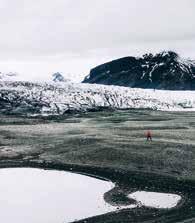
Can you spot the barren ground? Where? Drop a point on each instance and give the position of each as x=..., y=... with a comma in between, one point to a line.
x=112, y=145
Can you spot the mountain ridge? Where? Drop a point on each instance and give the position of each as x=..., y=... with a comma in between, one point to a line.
x=165, y=70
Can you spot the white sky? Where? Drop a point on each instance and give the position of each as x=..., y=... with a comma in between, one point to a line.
x=39, y=37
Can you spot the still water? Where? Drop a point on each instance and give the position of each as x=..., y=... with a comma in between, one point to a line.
x=48, y=196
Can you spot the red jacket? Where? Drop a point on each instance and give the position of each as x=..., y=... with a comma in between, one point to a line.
x=149, y=134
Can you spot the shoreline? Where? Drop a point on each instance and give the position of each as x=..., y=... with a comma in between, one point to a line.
x=125, y=182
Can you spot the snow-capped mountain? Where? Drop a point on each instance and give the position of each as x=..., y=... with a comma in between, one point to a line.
x=8, y=76
x=165, y=70
x=47, y=98
x=58, y=77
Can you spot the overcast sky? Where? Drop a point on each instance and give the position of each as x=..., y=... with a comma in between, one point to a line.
x=39, y=37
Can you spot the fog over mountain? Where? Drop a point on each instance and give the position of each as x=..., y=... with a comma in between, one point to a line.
x=42, y=37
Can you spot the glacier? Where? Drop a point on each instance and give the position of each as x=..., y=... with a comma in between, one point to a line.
x=49, y=98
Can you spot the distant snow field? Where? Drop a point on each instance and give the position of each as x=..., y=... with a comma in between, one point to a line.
x=58, y=98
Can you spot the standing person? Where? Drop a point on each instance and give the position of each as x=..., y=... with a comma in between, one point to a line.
x=149, y=135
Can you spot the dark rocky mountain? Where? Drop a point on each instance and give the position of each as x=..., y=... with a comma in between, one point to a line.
x=58, y=77
x=165, y=70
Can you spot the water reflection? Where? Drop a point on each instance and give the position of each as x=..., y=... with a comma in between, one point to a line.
x=45, y=196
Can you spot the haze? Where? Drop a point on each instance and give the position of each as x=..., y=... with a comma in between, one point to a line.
x=39, y=37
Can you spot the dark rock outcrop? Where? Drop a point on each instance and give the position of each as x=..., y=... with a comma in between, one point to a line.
x=164, y=70
x=58, y=77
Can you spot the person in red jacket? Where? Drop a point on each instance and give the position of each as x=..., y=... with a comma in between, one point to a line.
x=149, y=135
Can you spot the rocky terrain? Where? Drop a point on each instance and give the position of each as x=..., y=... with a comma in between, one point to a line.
x=164, y=70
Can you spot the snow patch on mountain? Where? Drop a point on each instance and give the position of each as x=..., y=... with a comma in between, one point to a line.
x=165, y=70
x=8, y=76
x=60, y=98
